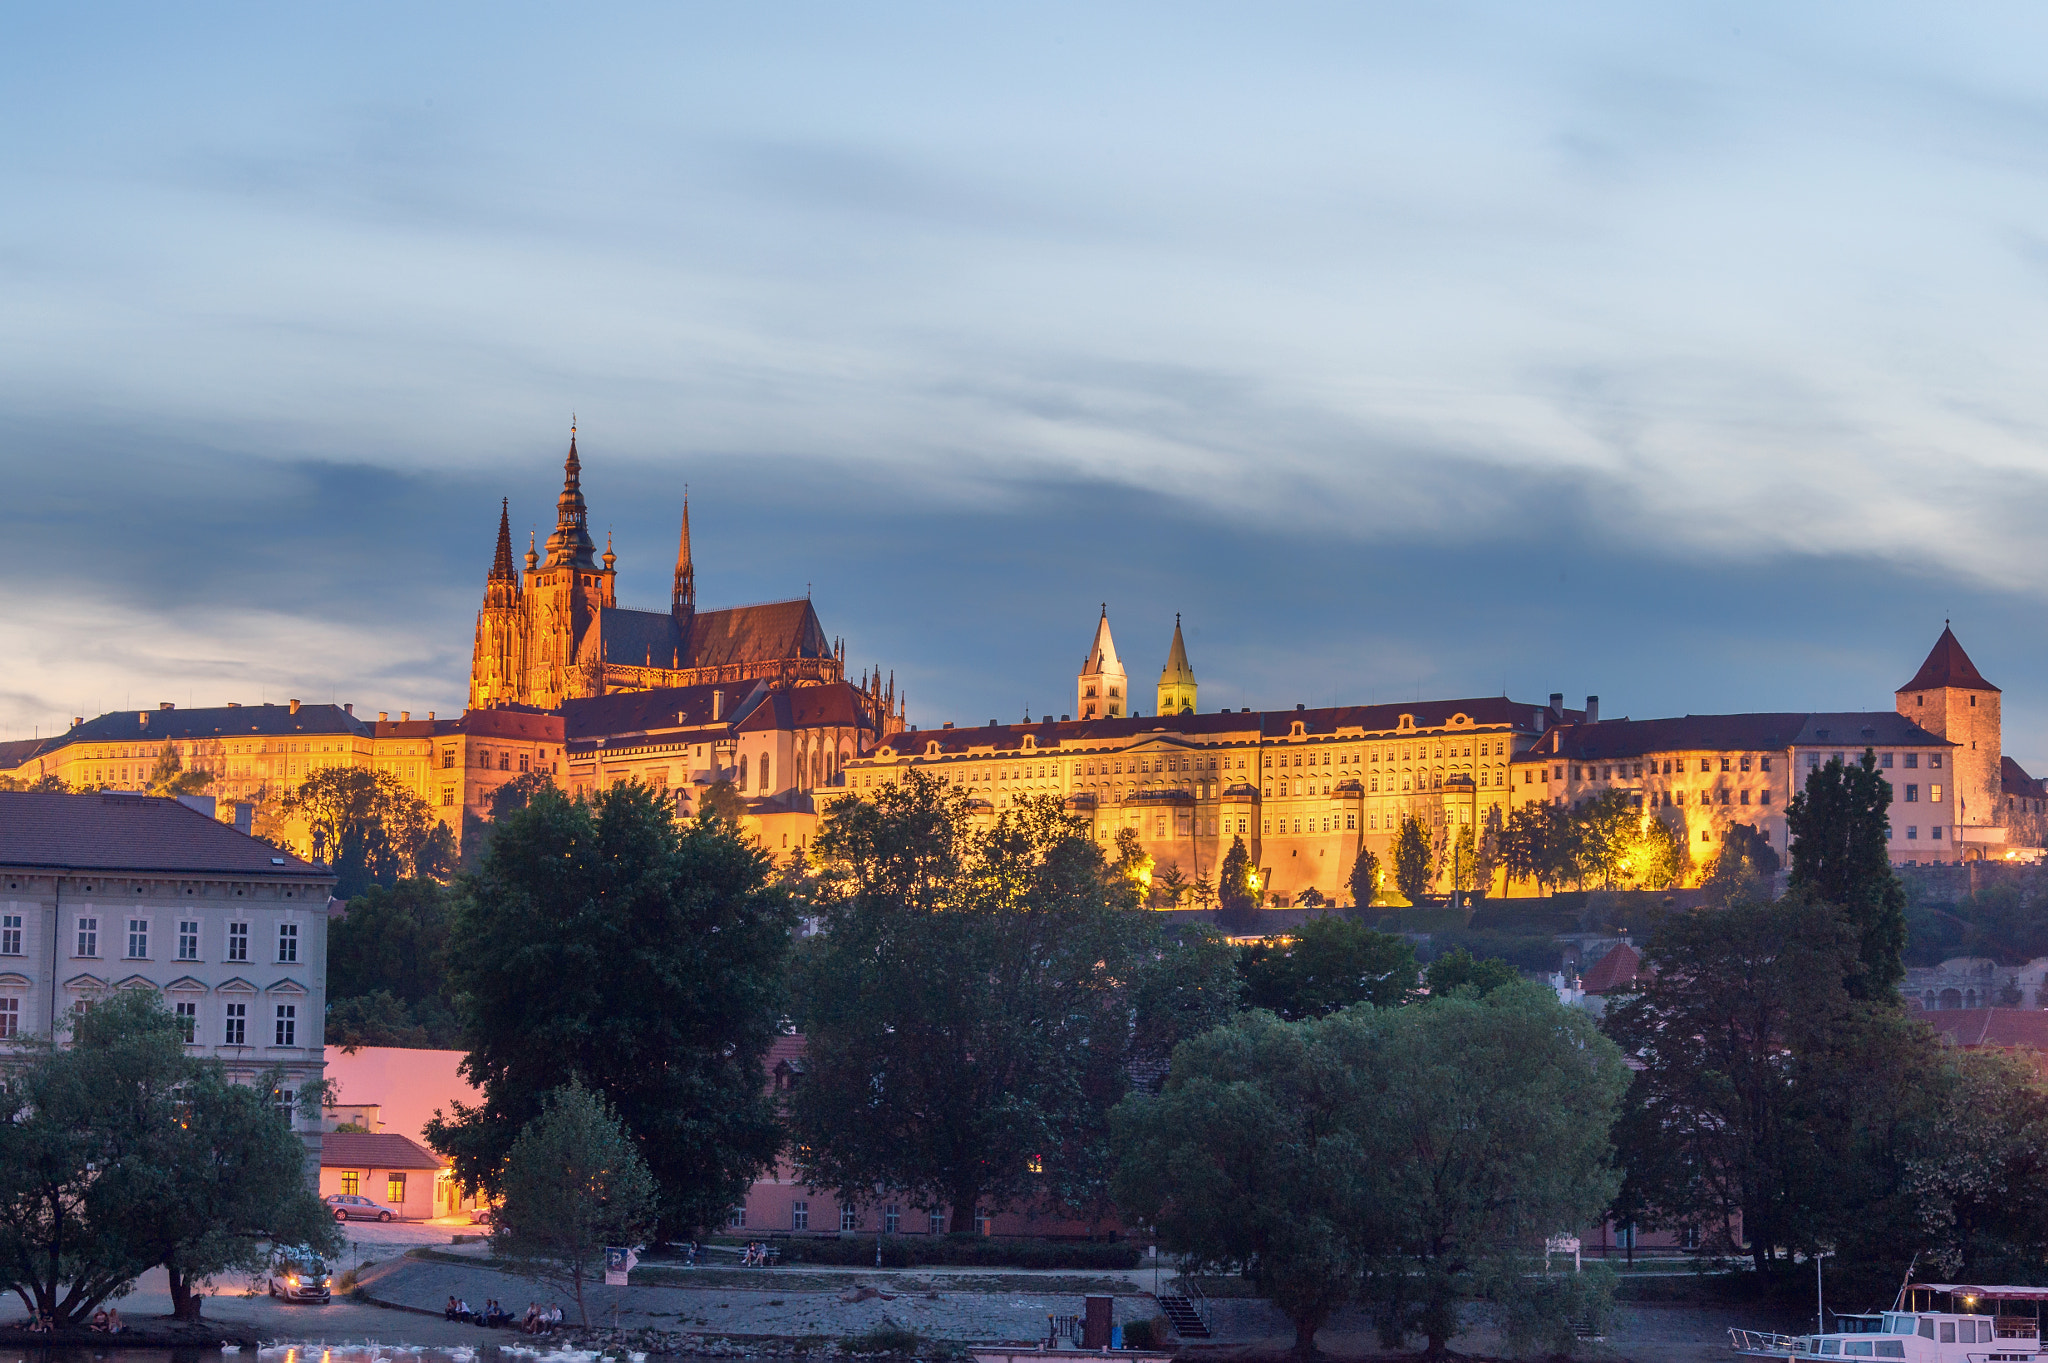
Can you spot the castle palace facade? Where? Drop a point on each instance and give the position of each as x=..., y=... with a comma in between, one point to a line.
x=555, y=633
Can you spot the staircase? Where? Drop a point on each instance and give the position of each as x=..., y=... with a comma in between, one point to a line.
x=1181, y=1314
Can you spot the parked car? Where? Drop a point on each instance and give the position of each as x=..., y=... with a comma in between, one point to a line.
x=480, y=1217
x=298, y=1274
x=349, y=1207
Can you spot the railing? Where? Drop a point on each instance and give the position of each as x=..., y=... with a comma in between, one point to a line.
x=1760, y=1342
x=1197, y=1300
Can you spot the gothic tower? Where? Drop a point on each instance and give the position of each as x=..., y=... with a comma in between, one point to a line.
x=500, y=654
x=1100, y=690
x=683, y=600
x=1949, y=698
x=564, y=596
x=1176, y=679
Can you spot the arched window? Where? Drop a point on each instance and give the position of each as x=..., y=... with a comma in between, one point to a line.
x=743, y=771
x=764, y=771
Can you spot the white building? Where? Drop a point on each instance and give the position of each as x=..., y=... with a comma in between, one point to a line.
x=107, y=891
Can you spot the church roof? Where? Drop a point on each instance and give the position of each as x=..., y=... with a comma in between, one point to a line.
x=1618, y=967
x=658, y=710
x=1177, y=669
x=1102, y=653
x=641, y=638
x=2013, y=780
x=759, y=633
x=833, y=705
x=1948, y=667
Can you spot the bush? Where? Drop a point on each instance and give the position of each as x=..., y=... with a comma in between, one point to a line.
x=1141, y=1334
x=895, y=1340
x=967, y=1251
x=1551, y=1314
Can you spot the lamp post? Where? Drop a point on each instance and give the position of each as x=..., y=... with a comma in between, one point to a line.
x=1820, y=1306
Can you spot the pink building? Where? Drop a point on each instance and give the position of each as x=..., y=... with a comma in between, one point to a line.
x=392, y=1092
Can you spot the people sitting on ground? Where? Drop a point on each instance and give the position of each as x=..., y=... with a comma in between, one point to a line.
x=451, y=1311
x=99, y=1322
x=114, y=1326
x=530, y=1323
x=554, y=1316
x=42, y=1324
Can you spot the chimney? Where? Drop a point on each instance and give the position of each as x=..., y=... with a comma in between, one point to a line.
x=165, y=705
x=717, y=706
x=142, y=718
x=405, y=716
x=1592, y=709
x=295, y=706
x=383, y=716
x=234, y=705
x=349, y=709
x=430, y=715
x=1299, y=706
x=1557, y=707
x=77, y=720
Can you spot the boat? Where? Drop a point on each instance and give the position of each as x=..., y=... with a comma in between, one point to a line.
x=1929, y=1323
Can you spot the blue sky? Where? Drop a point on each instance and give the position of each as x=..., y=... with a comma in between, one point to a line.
x=1687, y=357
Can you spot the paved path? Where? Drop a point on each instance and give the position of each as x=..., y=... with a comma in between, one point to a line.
x=763, y=1310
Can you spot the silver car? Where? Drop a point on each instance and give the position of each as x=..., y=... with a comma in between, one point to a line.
x=349, y=1207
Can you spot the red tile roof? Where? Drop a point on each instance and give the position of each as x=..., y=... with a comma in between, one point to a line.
x=2003, y=1028
x=138, y=834
x=1618, y=967
x=374, y=1150
x=1948, y=666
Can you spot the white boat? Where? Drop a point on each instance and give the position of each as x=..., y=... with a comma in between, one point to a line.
x=1929, y=1323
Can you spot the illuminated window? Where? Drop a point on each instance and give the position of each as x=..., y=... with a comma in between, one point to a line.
x=351, y=1183
x=394, y=1190
x=1934, y=760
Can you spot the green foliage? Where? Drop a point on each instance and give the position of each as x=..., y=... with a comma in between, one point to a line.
x=1236, y=899
x=1144, y=1334
x=383, y=1019
x=50, y=783
x=1409, y=1149
x=1540, y=1314
x=169, y=778
x=1464, y=859
x=967, y=1251
x=1329, y=964
x=1744, y=866
x=573, y=1183
x=1414, y=860
x=1365, y=878
x=723, y=801
x=1133, y=862
x=1456, y=969
x=1487, y=854
x=602, y=942
x=1608, y=841
x=516, y=794
x=968, y=1005
x=1170, y=886
x=1839, y=855
x=118, y=1153
x=370, y=828
x=1541, y=843
x=387, y=980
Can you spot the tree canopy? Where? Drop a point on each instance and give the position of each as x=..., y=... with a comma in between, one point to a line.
x=1328, y=964
x=1414, y=860
x=606, y=943
x=387, y=968
x=574, y=1183
x=1457, y=969
x=370, y=827
x=1841, y=854
x=975, y=1000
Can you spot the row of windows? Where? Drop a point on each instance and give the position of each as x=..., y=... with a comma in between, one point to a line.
x=394, y=1186
x=138, y=939
x=284, y=1020
x=850, y=1219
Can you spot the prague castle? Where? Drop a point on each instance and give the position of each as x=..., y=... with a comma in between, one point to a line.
x=555, y=632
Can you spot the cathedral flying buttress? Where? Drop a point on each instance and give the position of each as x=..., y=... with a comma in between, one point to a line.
x=555, y=631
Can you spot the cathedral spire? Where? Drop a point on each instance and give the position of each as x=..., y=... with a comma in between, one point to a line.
x=501, y=566
x=1177, y=694
x=684, y=599
x=571, y=545
x=1102, y=685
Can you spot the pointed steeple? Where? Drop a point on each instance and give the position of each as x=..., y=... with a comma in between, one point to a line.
x=571, y=544
x=1177, y=692
x=1948, y=668
x=532, y=558
x=684, y=599
x=501, y=566
x=1101, y=690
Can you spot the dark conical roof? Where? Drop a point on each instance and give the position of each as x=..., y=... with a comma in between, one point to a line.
x=1947, y=666
x=571, y=542
x=501, y=566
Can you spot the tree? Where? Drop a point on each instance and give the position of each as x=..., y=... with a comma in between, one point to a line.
x=231, y=1185
x=1744, y=866
x=602, y=941
x=1365, y=879
x=49, y=783
x=170, y=779
x=1237, y=892
x=1979, y=1177
x=966, y=1004
x=574, y=1183
x=1133, y=862
x=1413, y=860
x=723, y=801
x=1486, y=856
x=1170, y=886
x=381, y=1019
x=1204, y=892
x=1328, y=965
x=1249, y=1159
x=370, y=828
x=1540, y=843
x=1738, y=1014
x=1485, y=1131
x=1464, y=855
x=1840, y=855
x=1456, y=969
x=118, y=1153
x=392, y=945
